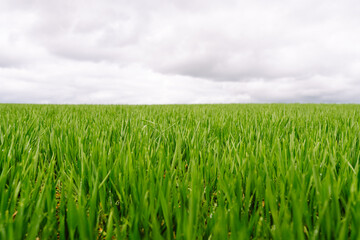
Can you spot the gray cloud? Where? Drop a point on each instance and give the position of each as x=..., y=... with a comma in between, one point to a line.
x=179, y=51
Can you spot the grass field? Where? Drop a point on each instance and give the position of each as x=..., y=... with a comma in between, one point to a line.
x=184, y=172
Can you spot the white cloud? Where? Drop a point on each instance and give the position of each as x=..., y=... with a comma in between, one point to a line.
x=144, y=52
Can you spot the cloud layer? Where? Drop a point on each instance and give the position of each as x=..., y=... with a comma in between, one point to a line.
x=158, y=52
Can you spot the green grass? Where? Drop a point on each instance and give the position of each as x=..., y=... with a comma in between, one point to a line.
x=184, y=172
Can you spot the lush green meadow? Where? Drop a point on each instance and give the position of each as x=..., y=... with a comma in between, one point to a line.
x=184, y=172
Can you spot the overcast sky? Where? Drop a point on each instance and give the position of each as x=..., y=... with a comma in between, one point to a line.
x=179, y=51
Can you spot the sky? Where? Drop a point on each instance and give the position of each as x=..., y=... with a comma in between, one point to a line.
x=179, y=51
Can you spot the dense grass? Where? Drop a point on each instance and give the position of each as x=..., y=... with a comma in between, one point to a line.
x=184, y=172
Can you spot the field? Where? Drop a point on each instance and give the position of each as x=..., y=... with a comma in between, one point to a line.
x=182, y=171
